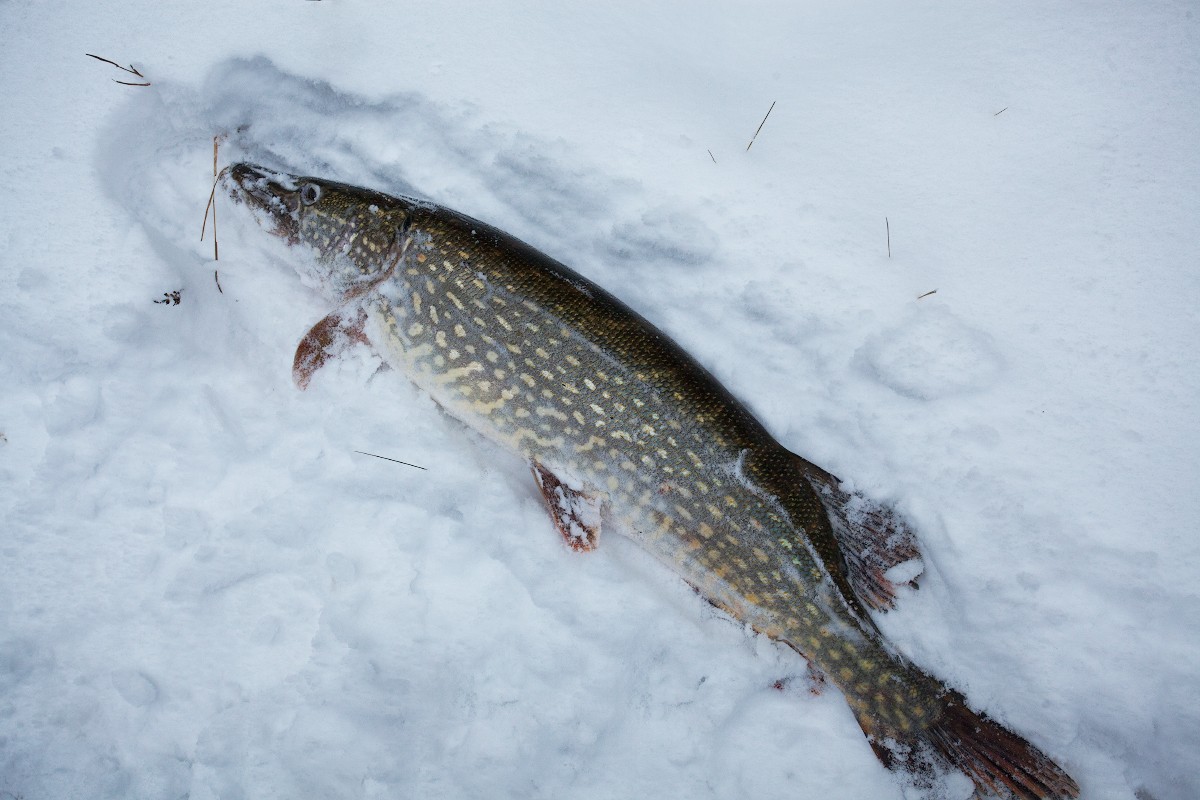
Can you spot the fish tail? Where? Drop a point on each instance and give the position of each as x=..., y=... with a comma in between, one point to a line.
x=999, y=762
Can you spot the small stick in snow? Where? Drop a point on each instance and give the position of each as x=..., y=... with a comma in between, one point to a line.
x=764, y=122
x=923, y=296
x=217, y=278
x=385, y=458
x=888, y=225
x=1001, y=111
x=130, y=69
x=710, y=155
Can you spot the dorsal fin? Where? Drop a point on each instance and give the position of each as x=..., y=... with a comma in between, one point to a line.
x=873, y=538
x=781, y=474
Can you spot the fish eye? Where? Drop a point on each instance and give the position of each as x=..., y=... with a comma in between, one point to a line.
x=310, y=193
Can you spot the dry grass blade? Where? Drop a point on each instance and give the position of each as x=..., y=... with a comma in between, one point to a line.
x=923, y=296
x=132, y=70
x=216, y=253
x=210, y=205
x=764, y=122
x=385, y=458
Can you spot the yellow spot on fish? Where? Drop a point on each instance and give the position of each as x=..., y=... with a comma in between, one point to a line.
x=548, y=411
x=591, y=442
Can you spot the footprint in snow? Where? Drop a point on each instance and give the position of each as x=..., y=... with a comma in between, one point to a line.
x=931, y=355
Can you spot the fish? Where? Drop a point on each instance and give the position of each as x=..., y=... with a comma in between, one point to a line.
x=622, y=428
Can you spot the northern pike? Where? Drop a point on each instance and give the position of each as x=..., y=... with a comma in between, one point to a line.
x=620, y=425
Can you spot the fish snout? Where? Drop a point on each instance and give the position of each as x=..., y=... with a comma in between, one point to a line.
x=271, y=194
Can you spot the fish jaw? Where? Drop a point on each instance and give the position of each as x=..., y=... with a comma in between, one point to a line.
x=273, y=198
x=353, y=237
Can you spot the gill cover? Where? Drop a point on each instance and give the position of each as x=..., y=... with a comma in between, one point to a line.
x=355, y=236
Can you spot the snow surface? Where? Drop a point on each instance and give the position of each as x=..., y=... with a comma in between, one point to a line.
x=206, y=593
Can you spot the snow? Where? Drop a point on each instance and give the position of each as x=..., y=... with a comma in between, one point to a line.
x=205, y=591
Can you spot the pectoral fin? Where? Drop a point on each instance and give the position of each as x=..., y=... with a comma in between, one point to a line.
x=875, y=541
x=328, y=339
x=576, y=512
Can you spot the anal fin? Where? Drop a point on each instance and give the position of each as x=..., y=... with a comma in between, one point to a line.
x=329, y=338
x=575, y=512
x=875, y=541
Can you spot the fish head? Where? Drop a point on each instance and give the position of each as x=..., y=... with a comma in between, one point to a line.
x=355, y=236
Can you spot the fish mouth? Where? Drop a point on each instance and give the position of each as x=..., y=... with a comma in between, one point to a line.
x=274, y=196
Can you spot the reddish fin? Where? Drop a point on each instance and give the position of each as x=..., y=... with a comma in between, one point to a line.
x=575, y=512
x=328, y=339
x=999, y=762
x=873, y=539
x=813, y=680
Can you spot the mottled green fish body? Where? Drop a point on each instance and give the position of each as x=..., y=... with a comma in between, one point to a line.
x=619, y=423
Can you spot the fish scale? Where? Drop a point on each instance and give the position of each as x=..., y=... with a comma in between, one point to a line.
x=614, y=416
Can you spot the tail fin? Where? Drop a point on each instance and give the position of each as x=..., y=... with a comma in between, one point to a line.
x=999, y=762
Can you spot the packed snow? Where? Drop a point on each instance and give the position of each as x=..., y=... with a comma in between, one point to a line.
x=206, y=592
